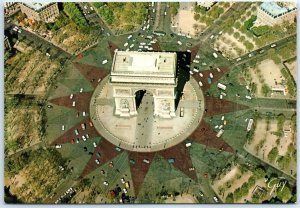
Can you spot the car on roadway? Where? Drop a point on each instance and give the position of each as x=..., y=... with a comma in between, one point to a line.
x=94, y=144
x=58, y=146
x=216, y=199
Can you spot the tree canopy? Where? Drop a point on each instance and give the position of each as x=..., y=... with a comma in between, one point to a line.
x=74, y=14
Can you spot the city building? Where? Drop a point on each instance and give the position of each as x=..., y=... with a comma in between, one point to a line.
x=46, y=11
x=274, y=13
x=11, y=8
x=134, y=73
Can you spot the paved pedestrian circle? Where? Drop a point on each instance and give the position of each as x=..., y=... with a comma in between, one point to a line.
x=146, y=132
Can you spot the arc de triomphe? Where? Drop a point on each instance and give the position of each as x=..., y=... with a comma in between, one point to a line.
x=133, y=73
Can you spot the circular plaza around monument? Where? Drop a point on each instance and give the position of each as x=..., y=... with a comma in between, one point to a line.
x=145, y=132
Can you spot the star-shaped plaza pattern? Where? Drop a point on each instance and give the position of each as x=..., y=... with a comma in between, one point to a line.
x=203, y=134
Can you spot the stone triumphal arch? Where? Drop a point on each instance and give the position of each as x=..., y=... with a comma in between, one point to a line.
x=133, y=73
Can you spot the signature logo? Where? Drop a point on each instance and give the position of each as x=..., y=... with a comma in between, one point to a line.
x=276, y=184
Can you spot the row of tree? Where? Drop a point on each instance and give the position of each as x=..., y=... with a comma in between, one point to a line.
x=74, y=14
x=122, y=15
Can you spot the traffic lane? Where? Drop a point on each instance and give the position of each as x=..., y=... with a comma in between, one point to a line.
x=264, y=49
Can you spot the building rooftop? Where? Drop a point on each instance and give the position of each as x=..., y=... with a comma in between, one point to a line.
x=275, y=10
x=144, y=62
x=144, y=67
x=37, y=5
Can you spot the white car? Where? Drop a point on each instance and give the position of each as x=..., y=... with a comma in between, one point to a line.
x=81, y=90
x=125, y=190
x=83, y=113
x=122, y=180
x=58, y=146
x=200, y=83
x=76, y=132
x=73, y=103
x=87, y=136
x=94, y=144
x=188, y=144
x=200, y=74
x=131, y=45
x=130, y=36
x=83, y=138
x=105, y=61
x=179, y=43
x=97, y=161
x=216, y=199
x=273, y=45
x=63, y=127
x=71, y=96
x=105, y=183
x=126, y=44
x=146, y=161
